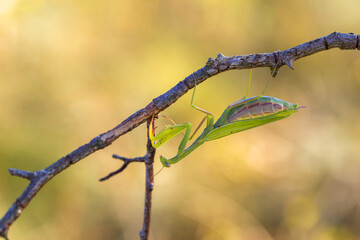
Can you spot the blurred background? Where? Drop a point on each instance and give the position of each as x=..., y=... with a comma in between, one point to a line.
x=70, y=70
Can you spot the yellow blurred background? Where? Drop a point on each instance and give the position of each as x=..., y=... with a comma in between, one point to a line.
x=70, y=70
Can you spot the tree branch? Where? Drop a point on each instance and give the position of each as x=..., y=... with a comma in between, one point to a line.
x=213, y=66
x=149, y=186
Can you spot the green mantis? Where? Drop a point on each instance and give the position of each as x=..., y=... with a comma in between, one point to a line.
x=241, y=115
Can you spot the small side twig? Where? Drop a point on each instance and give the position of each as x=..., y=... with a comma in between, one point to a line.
x=127, y=161
x=21, y=173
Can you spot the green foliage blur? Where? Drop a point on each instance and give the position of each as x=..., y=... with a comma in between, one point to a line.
x=70, y=70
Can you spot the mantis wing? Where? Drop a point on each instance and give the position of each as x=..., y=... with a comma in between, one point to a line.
x=243, y=125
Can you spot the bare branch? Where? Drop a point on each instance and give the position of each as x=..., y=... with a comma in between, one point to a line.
x=149, y=186
x=213, y=66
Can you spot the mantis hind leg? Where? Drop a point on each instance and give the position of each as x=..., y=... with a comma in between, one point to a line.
x=273, y=73
x=248, y=87
x=266, y=86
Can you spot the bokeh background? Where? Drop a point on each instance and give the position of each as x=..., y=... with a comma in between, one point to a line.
x=70, y=70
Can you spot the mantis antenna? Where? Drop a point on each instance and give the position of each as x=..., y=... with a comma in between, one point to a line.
x=158, y=171
x=152, y=179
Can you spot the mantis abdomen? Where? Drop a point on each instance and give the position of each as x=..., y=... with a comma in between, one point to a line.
x=260, y=108
x=249, y=113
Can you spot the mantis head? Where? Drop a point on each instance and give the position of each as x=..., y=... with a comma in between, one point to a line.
x=164, y=161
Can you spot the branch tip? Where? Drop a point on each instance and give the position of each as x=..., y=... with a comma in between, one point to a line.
x=115, y=172
x=21, y=173
x=119, y=157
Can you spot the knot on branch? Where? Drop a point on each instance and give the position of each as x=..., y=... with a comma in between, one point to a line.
x=210, y=62
x=341, y=40
x=3, y=233
x=98, y=142
x=219, y=64
x=223, y=62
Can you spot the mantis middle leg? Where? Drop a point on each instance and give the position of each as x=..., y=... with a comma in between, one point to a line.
x=209, y=116
x=174, y=130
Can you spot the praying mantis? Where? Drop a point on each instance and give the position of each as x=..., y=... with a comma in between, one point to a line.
x=241, y=115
